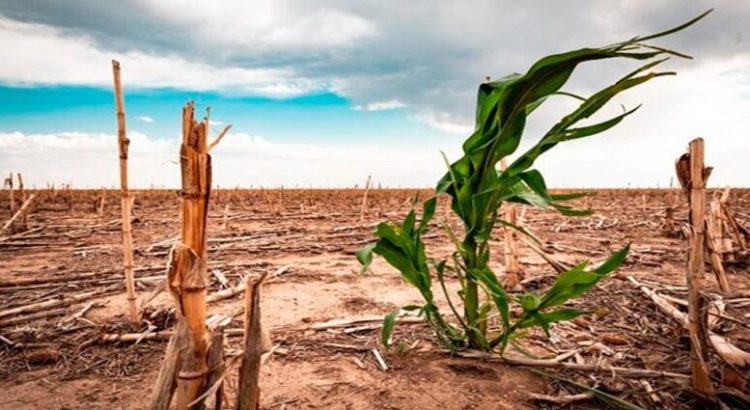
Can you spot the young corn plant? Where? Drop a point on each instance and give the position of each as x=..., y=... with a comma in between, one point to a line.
x=478, y=189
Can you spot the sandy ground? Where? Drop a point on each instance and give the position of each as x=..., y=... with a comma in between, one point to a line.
x=313, y=234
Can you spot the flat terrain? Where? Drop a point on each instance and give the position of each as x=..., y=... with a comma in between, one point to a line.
x=305, y=240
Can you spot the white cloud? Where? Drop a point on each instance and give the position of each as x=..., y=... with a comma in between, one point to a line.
x=265, y=24
x=41, y=54
x=444, y=122
x=146, y=119
x=380, y=106
x=239, y=160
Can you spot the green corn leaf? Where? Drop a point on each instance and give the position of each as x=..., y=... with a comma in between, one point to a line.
x=408, y=224
x=569, y=94
x=613, y=262
x=571, y=196
x=542, y=322
x=569, y=284
x=675, y=29
x=484, y=310
x=535, y=181
x=364, y=256
x=576, y=281
x=522, y=230
x=427, y=213
x=529, y=301
x=496, y=292
x=570, y=211
x=388, y=322
x=559, y=315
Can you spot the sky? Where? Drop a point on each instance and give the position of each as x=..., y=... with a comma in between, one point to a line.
x=324, y=93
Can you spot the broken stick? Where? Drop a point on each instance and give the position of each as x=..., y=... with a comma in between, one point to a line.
x=248, y=388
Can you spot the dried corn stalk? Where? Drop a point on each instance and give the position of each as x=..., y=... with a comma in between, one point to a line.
x=693, y=175
x=127, y=199
x=187, y=268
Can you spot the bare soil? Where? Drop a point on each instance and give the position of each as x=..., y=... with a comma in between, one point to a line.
x=67, y=248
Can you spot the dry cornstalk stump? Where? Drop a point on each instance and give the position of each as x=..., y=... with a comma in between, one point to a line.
x=193, y=365
x=188, y=264
x=127, y=199
x=693, y=175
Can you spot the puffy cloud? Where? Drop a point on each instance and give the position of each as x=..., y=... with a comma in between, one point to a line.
x=264, y=24
x=146, y=119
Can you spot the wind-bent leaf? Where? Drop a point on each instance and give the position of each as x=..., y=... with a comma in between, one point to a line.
x=576, y=281
x=477, y=191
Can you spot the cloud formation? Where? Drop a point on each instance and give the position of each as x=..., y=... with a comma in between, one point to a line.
x=45, y=55
x=425, y=58
x=380, y=106
x=429, y=56
x=239, y=160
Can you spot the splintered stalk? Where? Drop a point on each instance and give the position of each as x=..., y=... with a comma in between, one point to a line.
x=696, y=191
x=187, y=270
x=127, y=199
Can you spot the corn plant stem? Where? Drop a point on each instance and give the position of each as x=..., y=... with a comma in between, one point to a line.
x=126, y=201
x=441, y=279
x=471, y=292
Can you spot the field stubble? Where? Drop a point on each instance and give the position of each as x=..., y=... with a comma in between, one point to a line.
x=68, y=260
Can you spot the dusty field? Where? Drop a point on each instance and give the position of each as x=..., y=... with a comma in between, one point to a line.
x=60, y=362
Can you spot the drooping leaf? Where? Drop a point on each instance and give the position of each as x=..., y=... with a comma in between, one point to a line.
x=388, y=322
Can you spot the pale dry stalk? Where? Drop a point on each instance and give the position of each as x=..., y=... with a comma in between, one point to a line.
x=693, y=175
x=126, y=201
